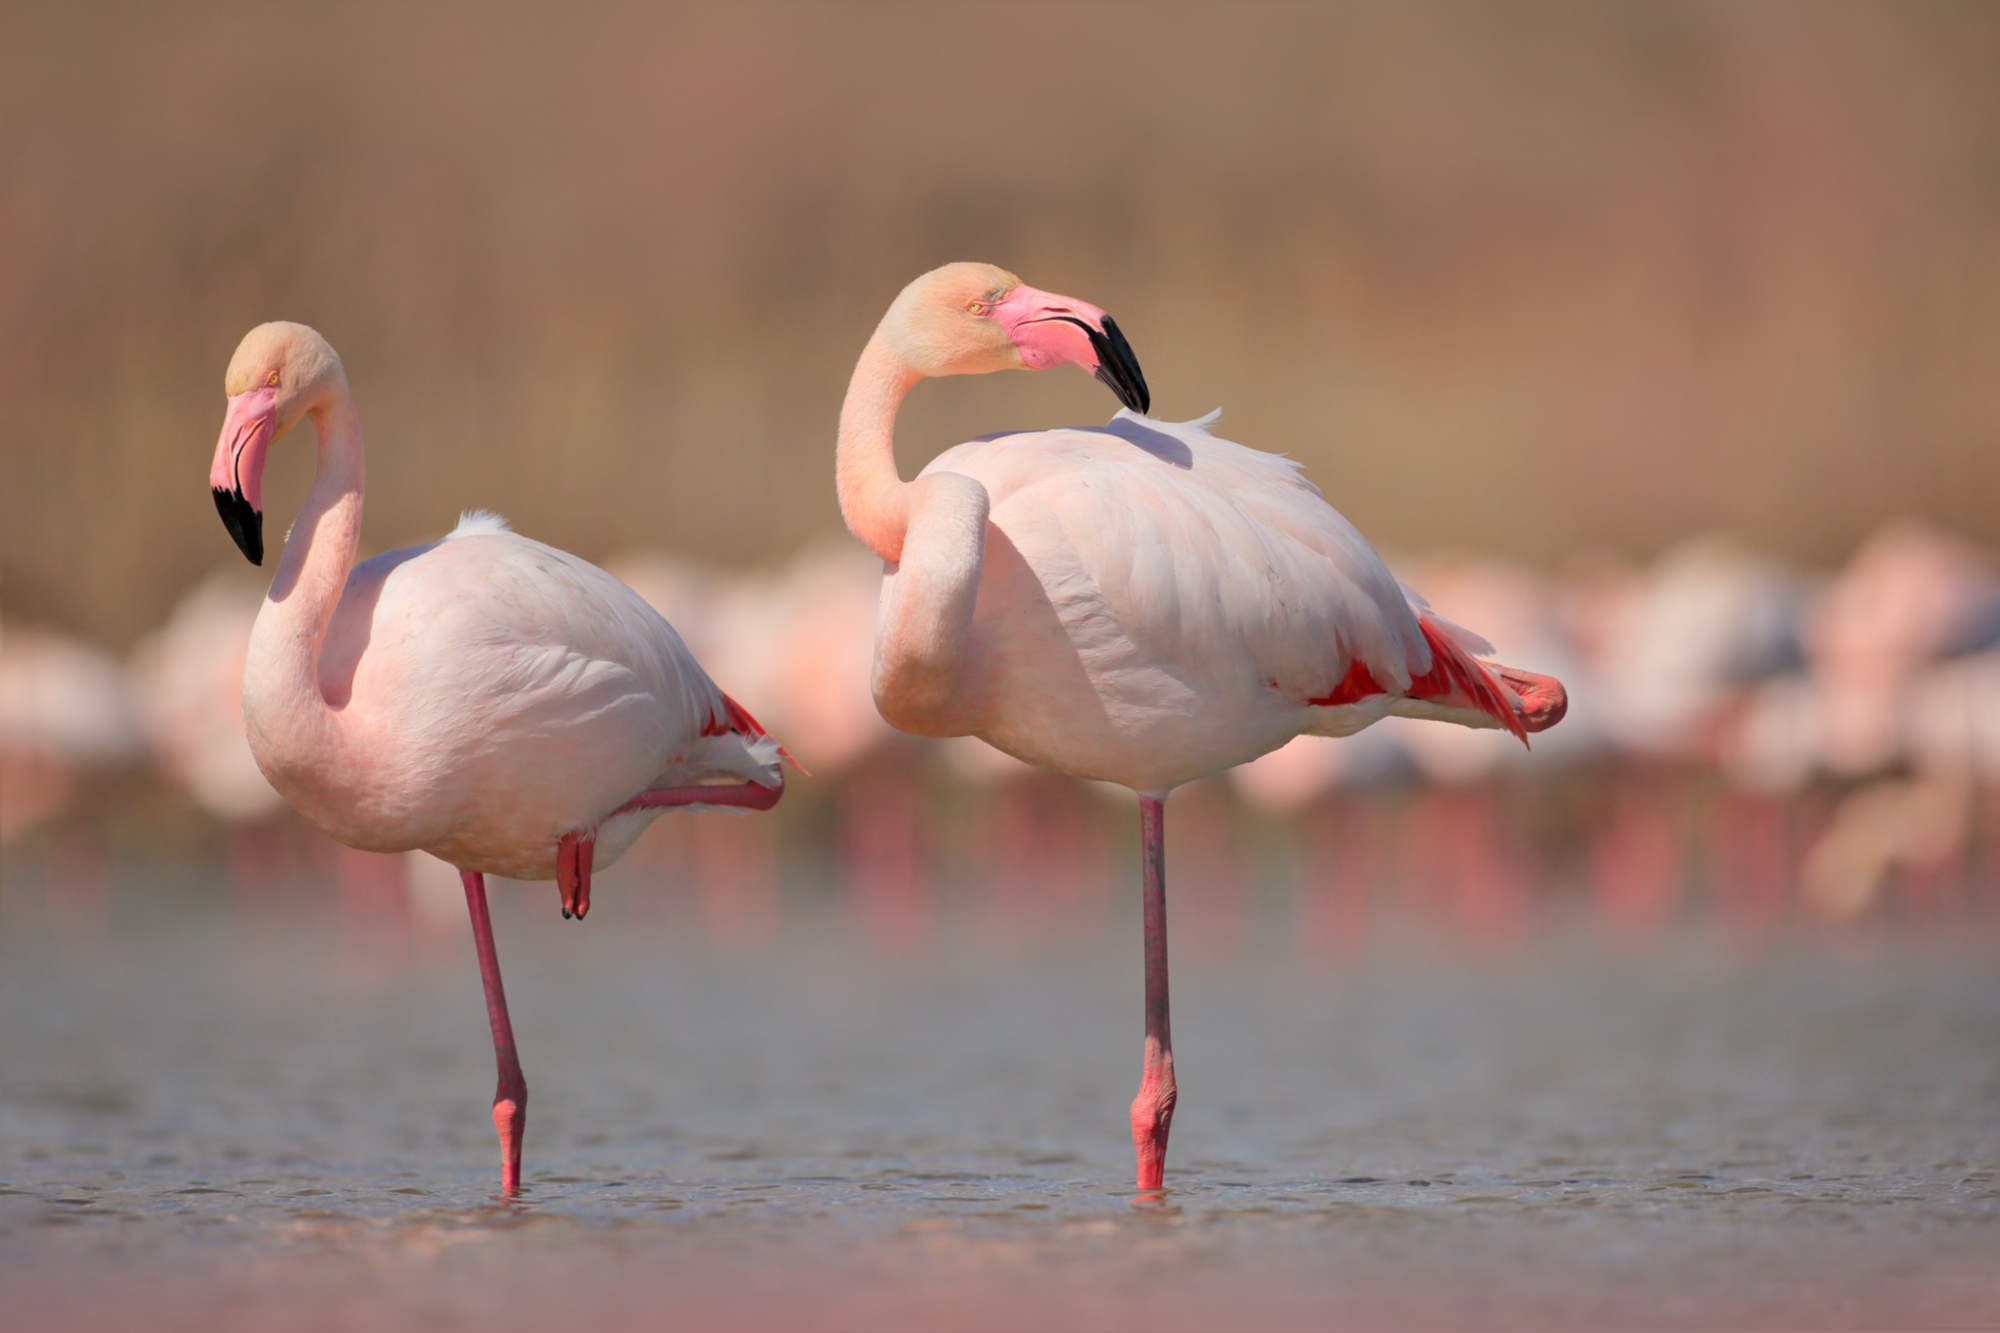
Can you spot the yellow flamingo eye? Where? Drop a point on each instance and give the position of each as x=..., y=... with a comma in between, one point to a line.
x=271, y=380
x=975, y=307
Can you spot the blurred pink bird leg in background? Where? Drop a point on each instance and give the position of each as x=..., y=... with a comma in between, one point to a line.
x=497, y=703
x=1142, y=603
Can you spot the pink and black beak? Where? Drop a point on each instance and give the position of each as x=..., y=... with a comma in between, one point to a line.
x=236, y=478
x=1117, y=369
x=1048, y=330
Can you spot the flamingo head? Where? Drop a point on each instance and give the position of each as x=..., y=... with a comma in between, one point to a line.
x=970, y=319
x=280, y=372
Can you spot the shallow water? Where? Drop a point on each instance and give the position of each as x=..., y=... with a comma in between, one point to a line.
x=216, y=1121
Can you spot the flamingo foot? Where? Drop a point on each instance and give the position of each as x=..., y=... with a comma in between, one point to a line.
x=574, y=855
x=510, y=1121
x=576, y=851
x=1543, y=699
x=1153, y=1116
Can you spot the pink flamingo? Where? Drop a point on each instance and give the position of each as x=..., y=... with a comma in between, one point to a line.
x=1141, y=603
x=66, y=717
x=499, y=704
x=65, y=710
x=188, y=679
x=1908, y=598
x=796, y=647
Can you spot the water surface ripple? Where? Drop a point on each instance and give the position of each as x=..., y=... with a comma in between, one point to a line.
x=220, y=1124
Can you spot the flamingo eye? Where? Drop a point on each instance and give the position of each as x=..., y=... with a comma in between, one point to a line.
x=975, y=307
x=271, y=380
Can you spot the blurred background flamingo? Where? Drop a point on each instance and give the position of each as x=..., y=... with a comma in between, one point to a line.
x=67, y=724
x=64, y=712
x=1723, y=807
x=188, y=676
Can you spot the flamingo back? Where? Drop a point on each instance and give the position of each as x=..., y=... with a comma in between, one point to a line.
x=504, y=693
x=1205, y=586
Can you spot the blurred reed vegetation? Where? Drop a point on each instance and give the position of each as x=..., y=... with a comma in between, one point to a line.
x=1522, y=278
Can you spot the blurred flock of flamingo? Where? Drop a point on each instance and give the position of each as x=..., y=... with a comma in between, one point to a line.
x=1749, y=745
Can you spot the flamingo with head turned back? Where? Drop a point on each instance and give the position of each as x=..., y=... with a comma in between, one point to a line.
x=497, y=703
x=1142, y=603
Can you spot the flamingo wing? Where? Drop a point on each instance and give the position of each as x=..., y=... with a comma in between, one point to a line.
x=547, y=687
x=1204, y=553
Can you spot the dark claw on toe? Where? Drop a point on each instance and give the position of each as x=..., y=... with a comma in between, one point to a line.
x=565, y=914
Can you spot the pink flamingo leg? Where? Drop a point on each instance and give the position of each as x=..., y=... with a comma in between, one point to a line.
x=743, y=795
x=574, y=855
x=1153, y=1108
x=576, y=851
x=569, y=873
x=510, y=1098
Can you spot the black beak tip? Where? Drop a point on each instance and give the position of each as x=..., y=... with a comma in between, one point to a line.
x=245, y=524
x=1119, y=369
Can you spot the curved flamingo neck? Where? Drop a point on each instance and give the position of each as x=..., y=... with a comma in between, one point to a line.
x=283, y=671
x=874, y=498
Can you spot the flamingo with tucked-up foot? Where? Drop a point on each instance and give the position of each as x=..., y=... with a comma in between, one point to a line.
x=1141, y=603
x=495, y=702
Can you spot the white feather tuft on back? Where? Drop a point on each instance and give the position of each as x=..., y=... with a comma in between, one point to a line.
x=763, y=750
x=1200, y=423
x=475, y=522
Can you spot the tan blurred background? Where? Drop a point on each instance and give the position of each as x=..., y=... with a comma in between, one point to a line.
x=1522, y=278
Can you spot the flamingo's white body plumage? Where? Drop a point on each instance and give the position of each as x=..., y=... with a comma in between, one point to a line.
x=1164, y=603
x=509, y=693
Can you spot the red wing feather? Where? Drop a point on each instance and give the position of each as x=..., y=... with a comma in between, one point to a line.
x=1457, y=672
x=737, y=719
x=1454, y=674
